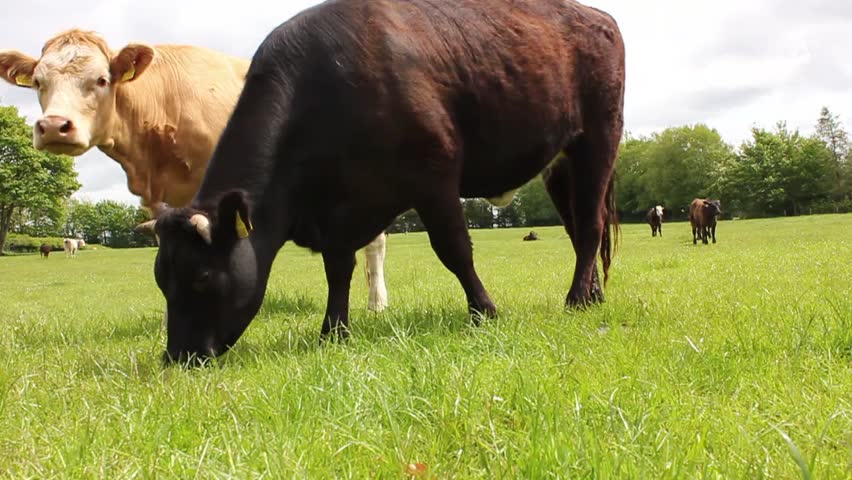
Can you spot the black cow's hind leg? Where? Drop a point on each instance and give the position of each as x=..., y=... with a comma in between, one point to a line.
x=338, y=273
x=443, y=218
x=577, y=185
x=559, y=184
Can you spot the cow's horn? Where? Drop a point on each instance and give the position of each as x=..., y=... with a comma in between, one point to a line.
x=146, y=227
x=202, y=224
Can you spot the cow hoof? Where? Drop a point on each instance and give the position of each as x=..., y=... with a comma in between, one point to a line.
x=377, y=305
x=184, y=361
x=577, y=302
x=340, y=335
x=480, y=312
x=581, y=302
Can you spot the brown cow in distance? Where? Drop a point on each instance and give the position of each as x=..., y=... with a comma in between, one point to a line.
x=357, y=111
x=702, y=218
x=532, y=236
x=44, y=250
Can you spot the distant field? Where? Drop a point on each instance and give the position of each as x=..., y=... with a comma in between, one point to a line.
x=731, y=360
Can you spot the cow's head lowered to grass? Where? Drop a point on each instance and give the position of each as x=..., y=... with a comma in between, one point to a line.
x=208, y=272
x=76, y=80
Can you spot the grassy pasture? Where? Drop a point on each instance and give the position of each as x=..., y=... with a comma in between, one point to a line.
x=731, y=360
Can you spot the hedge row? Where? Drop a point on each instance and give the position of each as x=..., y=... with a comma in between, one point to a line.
x=25, y=243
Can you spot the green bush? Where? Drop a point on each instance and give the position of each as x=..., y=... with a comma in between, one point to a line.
x=24, y=243
x=828, y=206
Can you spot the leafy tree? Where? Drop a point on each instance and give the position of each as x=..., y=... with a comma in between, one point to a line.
x=31, y=180
x=478, y=212
x=632, y=164
x=778, y=173
x=683, y=163
x=36, y=223
x=511, y=215
x=535, y=204
x=669, y=168
x=830, y=131
x=409, y=221
x=116, y=220
x=108, y=222
x=83, y=221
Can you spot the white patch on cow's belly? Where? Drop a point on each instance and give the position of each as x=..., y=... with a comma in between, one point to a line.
x=555, y=159
x=503, y=200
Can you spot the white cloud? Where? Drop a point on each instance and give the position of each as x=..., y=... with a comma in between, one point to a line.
x=729, y=64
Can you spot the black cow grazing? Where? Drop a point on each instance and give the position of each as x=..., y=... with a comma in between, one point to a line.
x=354, y=112
x=655, y=220
x=530, y=236
x=44, y=250
x=702, y=219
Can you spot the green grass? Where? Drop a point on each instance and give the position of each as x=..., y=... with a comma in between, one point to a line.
x=731, y=360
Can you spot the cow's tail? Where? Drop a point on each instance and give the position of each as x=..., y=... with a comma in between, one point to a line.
x=611, y=229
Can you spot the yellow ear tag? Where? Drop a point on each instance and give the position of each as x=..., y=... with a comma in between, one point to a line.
x=242, y=231
x=24, y=80
x=128, y=75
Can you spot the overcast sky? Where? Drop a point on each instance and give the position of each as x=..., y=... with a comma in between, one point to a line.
x=731, y=64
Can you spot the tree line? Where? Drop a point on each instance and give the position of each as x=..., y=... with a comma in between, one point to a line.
x=775, y=172
x=106, y=222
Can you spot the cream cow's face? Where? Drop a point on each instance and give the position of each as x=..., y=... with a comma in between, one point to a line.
x=76, y=86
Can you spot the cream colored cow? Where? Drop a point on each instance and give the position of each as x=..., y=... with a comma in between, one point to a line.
x=71, y=245
x=156, y=110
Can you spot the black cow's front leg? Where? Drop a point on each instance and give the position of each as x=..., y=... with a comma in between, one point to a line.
x=444, y=219
x=338, y=274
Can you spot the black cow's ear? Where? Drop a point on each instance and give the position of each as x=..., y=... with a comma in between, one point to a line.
x=233, y=218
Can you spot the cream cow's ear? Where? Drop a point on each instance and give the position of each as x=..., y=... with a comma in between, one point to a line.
x=17, y=68
x=130, y=62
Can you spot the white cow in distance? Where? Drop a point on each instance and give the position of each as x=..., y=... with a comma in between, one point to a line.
x=72, y=245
